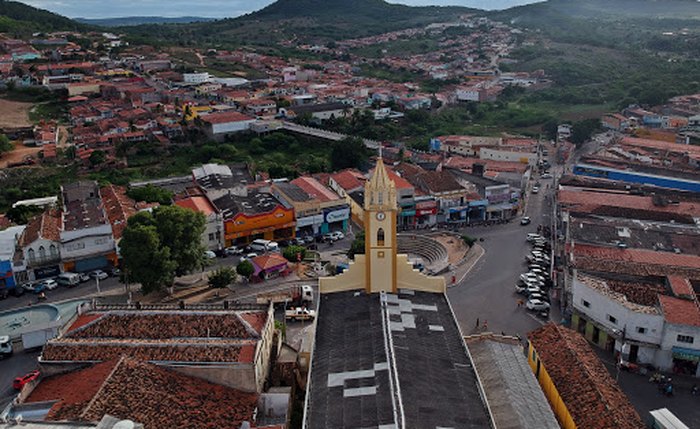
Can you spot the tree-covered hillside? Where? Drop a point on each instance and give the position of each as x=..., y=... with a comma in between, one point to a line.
x=19, y=18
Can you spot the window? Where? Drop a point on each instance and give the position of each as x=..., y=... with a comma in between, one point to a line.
x=380, y=237
x=641, y=330
x=685, y=339
x=42, y=252
x=30, y=254
x=534, y=355
x=380, y=198
x=586, y=303
x=211, y=236
x=612, y=319
x=52, y=250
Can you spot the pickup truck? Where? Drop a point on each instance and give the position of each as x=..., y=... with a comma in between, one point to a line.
x=300, y=313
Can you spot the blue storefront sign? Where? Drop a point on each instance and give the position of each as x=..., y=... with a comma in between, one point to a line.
x=337, y=215
x=686, y=354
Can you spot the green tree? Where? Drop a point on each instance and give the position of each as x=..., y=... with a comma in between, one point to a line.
x=245, y=269
x=151, y=194
x=148, y=262
x=291, y=253
x=180, y=230
x=348, y=153
x=222, y=277
x=582, y=131
x=5, y=144
x=97, y=157
x=358, y=245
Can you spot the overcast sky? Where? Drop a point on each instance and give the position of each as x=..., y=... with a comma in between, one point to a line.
x=208, y=8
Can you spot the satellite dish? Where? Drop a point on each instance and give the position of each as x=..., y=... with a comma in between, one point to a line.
x=124, y=424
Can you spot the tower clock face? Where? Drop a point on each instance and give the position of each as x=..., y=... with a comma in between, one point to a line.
x=381, y=216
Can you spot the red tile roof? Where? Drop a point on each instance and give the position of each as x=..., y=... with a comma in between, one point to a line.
x=681, y=286
x=591, y=396
x=197, y=203
x=653, y=262
x=680, y=311
x=268, y=261
x=225, y=117
x=46, y=225
x=139, y=391
x=118, y=206
x=349, y=179
x=660, y=145
x=315, y=189
x=83, y=320
x=597, y=202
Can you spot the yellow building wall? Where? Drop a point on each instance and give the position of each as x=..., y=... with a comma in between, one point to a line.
x=351, y=279
x=409, y=278
x=550, y=391
x=356, y=211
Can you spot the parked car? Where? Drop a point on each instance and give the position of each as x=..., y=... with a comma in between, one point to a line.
x=98, y=274
x=327, y=238
x=541, y=296
x=337, y=235
x=535, y=189
x=546, y=176
x=19, y=382
x=233, y=250
x=530, y=277
x=34, y=287
x=50, y=284
x=536, y=304
x=209, y=254
x=249, y=256
x=525, y=220
x=532, y=237
x=529, y=289
x=84, y=277
x=309, y=239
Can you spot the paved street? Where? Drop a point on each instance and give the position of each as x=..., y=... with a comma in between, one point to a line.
x=488, y=291
x=19, y=364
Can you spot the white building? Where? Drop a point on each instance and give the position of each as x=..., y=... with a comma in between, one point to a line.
x=218, y=125
x=86, y=236
x=602, y=315
x=196, y=78
x=645, y=322
x=505, y=154
x=41, y=248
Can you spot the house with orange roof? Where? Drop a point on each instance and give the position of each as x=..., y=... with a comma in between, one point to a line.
x=269, y=265
x=195, y=200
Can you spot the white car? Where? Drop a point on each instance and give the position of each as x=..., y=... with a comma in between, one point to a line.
x=540, y=296
x=533, y=236
x=536, y=304
x=233, y=250
x=249, y=256
x=337, y=235
x=50, y=284
x=530, y=277
x=530, y=289
x=535, y=189
x=209, y=254
x=98, y=274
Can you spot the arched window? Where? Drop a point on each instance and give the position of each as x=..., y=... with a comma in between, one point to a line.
x=380, y=237
x=380, y=198
x=52, y=250
x=42, y=252
x=30, y=253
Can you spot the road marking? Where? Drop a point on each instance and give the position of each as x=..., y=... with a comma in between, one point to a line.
x=536, y=319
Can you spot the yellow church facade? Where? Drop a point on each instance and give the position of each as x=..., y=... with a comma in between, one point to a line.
x=381, y=268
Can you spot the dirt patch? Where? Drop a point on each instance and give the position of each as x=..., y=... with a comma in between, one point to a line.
x=14, y=114
x=456, y=248
x=19, y=153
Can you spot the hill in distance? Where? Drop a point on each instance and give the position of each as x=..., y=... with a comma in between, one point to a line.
x=128, y=21
x=305, y=20
x=19, y=18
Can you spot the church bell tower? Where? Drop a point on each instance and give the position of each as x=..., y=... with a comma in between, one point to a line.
x=380, y=210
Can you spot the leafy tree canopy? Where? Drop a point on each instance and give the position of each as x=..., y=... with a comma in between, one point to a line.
x=162, y=244
x=291, y=252
x=348, y=153
x=245, y=269
x=222, y=277
x=151, y=194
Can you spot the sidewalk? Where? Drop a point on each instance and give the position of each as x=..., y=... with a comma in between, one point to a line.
x=465, y=266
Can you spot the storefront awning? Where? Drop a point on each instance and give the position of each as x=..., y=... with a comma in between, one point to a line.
x=686, y=354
